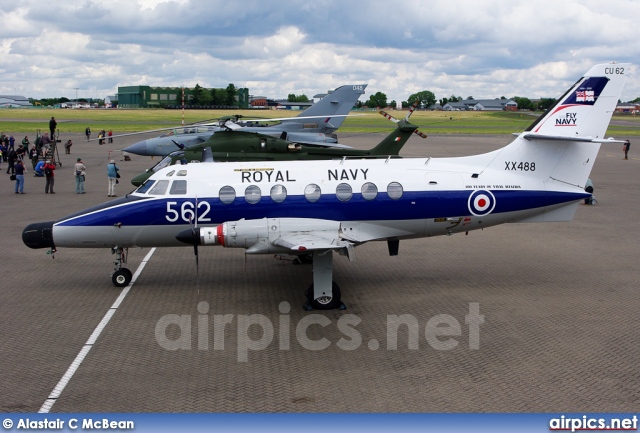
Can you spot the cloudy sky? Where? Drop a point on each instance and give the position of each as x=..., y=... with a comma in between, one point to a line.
x=479, y=48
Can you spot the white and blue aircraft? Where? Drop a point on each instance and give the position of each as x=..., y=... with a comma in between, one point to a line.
x=314, y=126
x=318, y=208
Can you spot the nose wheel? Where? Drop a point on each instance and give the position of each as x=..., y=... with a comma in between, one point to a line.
x=121, y=277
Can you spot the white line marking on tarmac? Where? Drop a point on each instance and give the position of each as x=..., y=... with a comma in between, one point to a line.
x=46, y=407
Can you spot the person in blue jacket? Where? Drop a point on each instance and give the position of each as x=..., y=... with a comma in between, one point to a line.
x=39, y=170
x=112, y=177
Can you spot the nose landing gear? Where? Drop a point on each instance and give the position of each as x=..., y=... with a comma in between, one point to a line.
x=121, y=277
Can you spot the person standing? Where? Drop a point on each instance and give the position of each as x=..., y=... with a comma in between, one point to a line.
x=48, y=174
x=625, y=149
x=87, y=133
x=20, y=152
x=33, y=156
x=80, y=171
x=52, y=127
x=20, y=171
x=112, y=178
x=25, y=142
x=67, y=147
x=110, y=134
x=13, y=156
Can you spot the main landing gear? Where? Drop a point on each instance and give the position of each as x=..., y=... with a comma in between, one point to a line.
x=323, y=293
x=121, y=277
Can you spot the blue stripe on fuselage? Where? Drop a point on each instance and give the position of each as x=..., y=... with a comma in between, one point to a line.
x=412, y=205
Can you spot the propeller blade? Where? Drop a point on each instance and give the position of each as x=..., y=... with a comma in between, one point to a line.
x=421, y=134
x=388, y=116
x=411, y=110
x=195, y=252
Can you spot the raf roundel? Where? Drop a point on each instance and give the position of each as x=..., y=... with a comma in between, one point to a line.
x=481, y=202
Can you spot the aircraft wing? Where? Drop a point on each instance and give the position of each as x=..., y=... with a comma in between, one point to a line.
x=309, y=241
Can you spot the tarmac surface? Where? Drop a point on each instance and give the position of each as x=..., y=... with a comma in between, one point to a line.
x=559, y=301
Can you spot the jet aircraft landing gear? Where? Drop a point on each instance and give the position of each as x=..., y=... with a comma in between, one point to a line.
x=323, y=293
x=121, y=277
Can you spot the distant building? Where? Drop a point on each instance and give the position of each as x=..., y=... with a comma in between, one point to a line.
x=482, y=105
x=286, y=105
x=14, y=101
x=258, y=101
x=150, y=97
x=628, y=107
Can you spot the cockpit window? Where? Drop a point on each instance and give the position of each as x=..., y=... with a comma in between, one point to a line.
x=160, y=188
x=182, y=172
x=170, y=173
x=166, y=162
x=145, y=186
x=178, y=187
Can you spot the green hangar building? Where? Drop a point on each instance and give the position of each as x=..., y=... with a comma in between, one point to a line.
x=171, y=97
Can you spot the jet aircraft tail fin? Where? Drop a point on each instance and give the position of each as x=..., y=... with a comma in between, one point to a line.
x=338, y=102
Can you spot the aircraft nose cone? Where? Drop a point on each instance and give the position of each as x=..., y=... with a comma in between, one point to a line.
x=139, y=148
x=38, y=235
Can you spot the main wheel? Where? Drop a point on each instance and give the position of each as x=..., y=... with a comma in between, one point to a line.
x=121, y=277
x=324, y=302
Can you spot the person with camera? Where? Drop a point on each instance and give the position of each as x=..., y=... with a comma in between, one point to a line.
x=48, y=175
x=112, y=177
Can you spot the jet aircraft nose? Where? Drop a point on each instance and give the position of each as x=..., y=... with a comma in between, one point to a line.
x=38, y=235
x=140, y=148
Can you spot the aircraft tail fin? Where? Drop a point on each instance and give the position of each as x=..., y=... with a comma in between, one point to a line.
x=585, y=110
x=561, y=146
x=393, y=143
x=338, y=102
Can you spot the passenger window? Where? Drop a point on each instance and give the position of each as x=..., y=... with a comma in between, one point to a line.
x=344, y=192
x=178, y=187
x=252, y=194
x=394, y=189
x=227, y=194
x=369, y=191
x=160, y=188
x=278, y=193
x=312, y=192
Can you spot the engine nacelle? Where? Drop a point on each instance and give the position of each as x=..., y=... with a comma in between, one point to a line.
x=260, y=236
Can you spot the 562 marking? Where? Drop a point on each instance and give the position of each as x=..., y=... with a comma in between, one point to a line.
x=186, y=212
x=519, y=165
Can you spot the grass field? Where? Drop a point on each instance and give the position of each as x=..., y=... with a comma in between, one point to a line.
x=28, y=121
